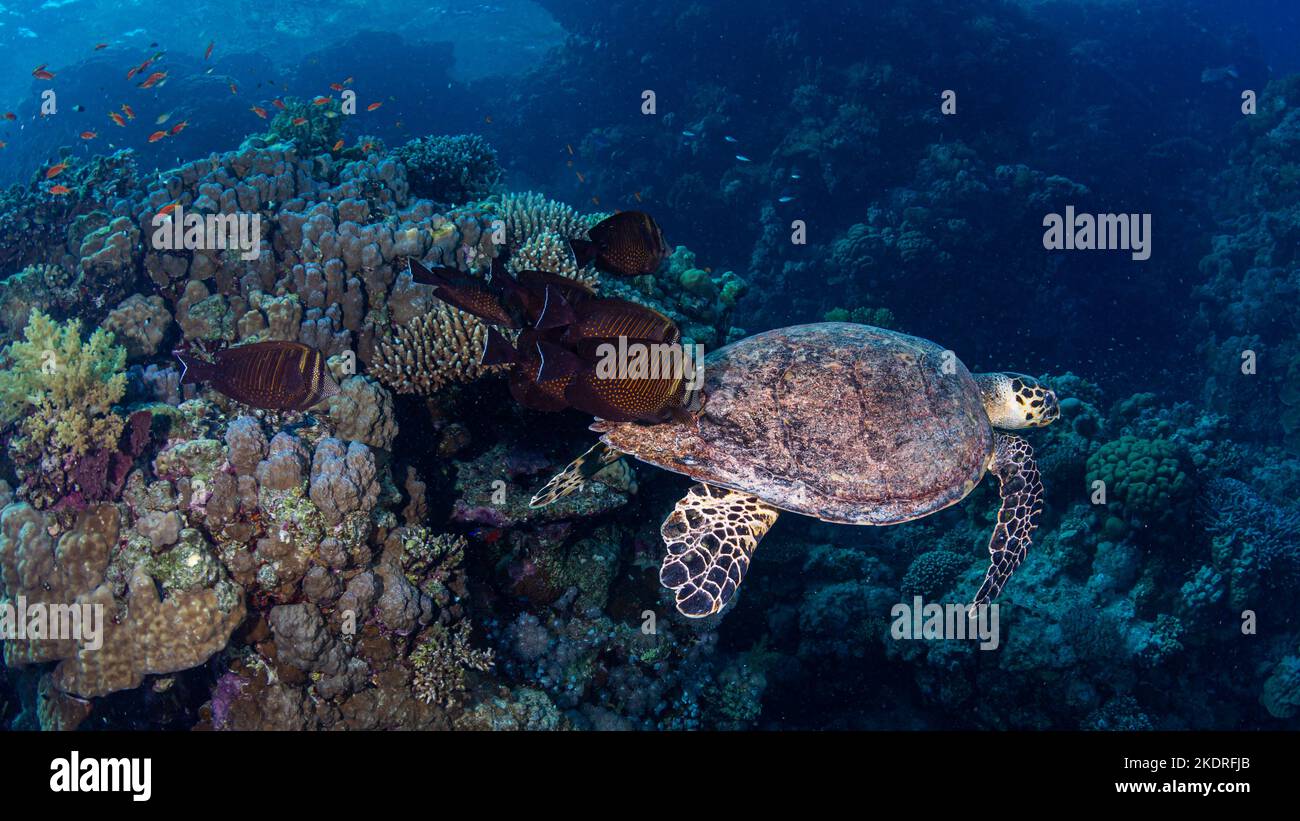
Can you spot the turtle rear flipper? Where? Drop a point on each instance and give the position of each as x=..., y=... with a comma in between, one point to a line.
x=574, y=477
x=711, y=534
x=1022, y=502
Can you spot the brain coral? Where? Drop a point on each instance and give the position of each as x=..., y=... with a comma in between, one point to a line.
x=1144, y=478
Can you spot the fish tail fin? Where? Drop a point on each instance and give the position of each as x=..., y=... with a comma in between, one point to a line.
x=424, y=276
x=497, y=350
x=557, y=362
x=584, y=251
x=193, y=369
x=556, y=311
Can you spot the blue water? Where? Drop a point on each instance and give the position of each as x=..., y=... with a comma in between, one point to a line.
x=893, y=164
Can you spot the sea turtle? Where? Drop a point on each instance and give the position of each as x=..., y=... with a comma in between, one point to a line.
x=848, y=423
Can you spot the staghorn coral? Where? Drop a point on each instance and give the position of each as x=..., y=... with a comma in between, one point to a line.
x=440, y=662
x=1253, y=542
x=430, y=352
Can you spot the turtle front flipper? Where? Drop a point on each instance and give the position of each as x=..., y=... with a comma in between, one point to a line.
x=710, y=535
x=1022, y=502
x=576, y=475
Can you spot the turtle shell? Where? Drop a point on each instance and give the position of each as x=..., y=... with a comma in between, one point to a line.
x=844, y=422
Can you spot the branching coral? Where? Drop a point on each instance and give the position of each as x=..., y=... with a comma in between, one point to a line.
x=1252, y=540
x=431, y=351
x=450, y=169
x=441, y=661
x=529, y=214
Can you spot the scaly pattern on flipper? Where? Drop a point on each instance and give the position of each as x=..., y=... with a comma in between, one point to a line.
x=711, y=535
x=574, y=477
x=1021, y=489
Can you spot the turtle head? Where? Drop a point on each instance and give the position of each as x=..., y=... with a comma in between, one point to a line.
x=1013, y=400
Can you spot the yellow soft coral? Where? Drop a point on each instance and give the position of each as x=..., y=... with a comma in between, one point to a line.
x=60, y=390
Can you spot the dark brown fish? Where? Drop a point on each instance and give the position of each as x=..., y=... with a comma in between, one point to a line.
x=470, y=294
x=524, y=387
x=627, y=244
x=607, y=385
x=608, y=320
x=269, y=375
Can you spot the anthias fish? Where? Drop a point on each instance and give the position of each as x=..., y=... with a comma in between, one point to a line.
x=627, y=244
x=286, y=376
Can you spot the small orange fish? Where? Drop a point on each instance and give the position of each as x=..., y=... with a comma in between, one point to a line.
x=637, y=194
x=3, y=144
x=234, y=89
x=373, y=106
x=366, y=148
x=153, y=79
x=336, y=86
x=166, y=209
x=156, y=136
x=299, y=120
x=10, y=116
x=99, y=46
x=320, y=101
x=88, y=135
x=337, y=145
x=128, y=111
x=208, y=52
x=41, y=74
x=179, y=127
x=59, y=190
x=117, y=118
x=258, y=110
x=278, y=103
x=56, y=170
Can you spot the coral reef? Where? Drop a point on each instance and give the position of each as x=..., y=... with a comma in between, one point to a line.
x=451, y=170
